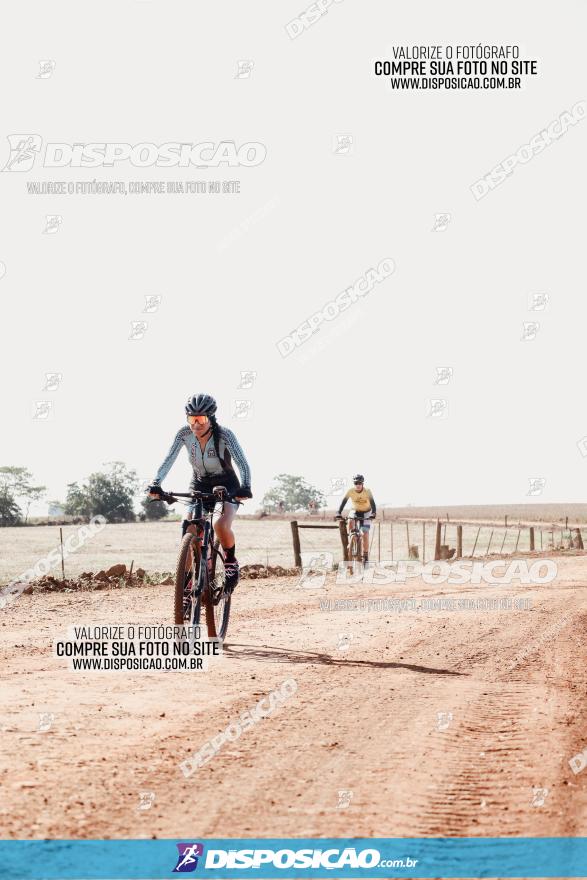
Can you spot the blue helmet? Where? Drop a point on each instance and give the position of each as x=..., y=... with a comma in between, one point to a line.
x=200, y=405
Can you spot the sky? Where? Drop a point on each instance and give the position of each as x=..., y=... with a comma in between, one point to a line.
x=132, y=303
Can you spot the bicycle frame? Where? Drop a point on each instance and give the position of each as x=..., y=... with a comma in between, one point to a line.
x=358, y=520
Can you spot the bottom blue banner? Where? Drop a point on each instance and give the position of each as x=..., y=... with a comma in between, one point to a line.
x=294, y=857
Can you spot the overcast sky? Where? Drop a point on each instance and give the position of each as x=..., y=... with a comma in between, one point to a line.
x=236, y=273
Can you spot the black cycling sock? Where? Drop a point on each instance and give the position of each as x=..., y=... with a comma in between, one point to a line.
x=229, y=553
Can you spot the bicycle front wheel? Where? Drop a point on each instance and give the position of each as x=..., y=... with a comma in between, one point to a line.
x=216, y=598
x=186, y=581
x=355, y=548
x=355, y=555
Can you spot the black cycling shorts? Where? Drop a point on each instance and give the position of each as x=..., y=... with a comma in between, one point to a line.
x=228, y=479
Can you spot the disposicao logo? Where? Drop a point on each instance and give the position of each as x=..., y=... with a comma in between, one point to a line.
x=187, y=859
x=330, y=858
x=25, y=148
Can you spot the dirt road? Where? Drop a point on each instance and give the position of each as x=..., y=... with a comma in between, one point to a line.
x=364, y=720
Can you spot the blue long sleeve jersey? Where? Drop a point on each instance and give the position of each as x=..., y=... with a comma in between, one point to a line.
x=206, y=462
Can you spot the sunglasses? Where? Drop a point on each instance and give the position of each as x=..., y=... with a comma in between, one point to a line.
x=197, y=420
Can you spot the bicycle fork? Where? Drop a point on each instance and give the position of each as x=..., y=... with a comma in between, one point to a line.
x=201, y=533
x=203, y=539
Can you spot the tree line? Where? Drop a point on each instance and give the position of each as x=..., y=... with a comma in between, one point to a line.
x=113, y=494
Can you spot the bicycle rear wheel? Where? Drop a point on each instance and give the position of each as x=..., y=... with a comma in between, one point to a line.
x=186, y=580
x=216, y=598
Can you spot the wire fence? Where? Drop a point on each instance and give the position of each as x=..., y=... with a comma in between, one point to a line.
x=271, y=544
x=409, y=539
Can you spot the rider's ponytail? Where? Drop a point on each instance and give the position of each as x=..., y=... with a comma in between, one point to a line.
x=216, y=438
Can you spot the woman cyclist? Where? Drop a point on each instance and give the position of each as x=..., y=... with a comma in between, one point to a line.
x=211, y=450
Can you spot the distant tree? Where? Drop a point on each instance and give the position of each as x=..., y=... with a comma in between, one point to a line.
x=153, y=509
x=15, y=483
x=33, y=493
x=10, y=513
x=291, y=493
x=110, y=494
x=15, y=479
x=77, y=501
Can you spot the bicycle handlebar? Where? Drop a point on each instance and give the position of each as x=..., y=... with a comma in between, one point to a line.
x=355, y=514
x=218, y=494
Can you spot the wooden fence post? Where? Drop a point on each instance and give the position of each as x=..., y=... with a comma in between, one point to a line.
x=423, y=543
x=531, y=539
x=344, y=539
x=296, y=543
x=577, y=541
x=437, y=542
x=459, y=542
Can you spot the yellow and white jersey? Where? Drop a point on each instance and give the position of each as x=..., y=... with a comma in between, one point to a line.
x=361, y=501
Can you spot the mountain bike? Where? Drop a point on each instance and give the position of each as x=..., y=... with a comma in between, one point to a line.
x=199, y=574
x=355, y=542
